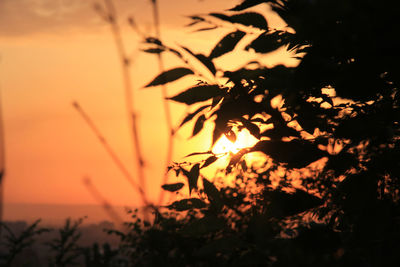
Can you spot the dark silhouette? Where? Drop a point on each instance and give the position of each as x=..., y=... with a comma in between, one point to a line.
x=327, y=191
x=337, y=127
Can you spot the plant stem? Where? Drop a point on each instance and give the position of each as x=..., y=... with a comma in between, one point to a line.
x=112, y=19
x=2, y=162
x=108, y=208
x=167, y=110
x=111, y=152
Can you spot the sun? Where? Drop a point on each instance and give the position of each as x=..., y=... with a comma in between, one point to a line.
x=243, y=140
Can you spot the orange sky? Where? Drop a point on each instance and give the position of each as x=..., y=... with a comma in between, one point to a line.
x=54, y=52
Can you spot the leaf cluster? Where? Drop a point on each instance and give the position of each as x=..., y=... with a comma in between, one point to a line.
x=333, y=119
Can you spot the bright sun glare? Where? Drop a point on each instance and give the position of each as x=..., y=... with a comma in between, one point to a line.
x=243, y=139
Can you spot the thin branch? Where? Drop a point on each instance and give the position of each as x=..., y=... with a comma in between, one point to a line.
x=2, y=161
x=167, y=110
x=111, y=152
x=125, y=62
x=108, y=208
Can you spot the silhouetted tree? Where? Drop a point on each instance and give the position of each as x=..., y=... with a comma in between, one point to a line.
x=337, y=126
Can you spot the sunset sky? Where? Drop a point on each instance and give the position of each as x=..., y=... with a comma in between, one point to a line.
x=54, y=52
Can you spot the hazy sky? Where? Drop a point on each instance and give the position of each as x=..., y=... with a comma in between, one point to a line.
x=53, y=52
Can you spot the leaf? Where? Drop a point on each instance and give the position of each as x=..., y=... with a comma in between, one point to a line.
x=266, y=43
x=172, y=187
x=192, y=115
x=196, y=19
x=221, y=16
x=218, y=129
x=295, y=153
x=177, y=172
x=253, y=129
x=153, y=50
x=170, y=76
x=187, y=204
x=198, y=126
x=209, y=161
x=198, y=94
x=212, y=193
x=152, y=40
x=192, y=176
x=203, y=59
x=227, y=44
x=199, y=153
x=174, y=51
x=247, y=4
x=252, y=19
x=206, y=29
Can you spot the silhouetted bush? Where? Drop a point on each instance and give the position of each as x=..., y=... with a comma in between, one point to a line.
x=327, y=191
x=337, y=126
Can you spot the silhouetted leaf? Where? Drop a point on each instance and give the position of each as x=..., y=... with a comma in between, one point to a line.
x=198, y=126
x=152, y=40
x=220, y=16
x=213, y=194
x=203, y=59
x=219, y=128
x=172, y=187
x=248, y=19
x=266, y=42
x=295, y=153
x=247, y=4
x=199, y=153
x=187, y=204
x=206, y=29
x=196, y=19
x=153, y=50
x=209, y=161
x=227, y=44
x=192, y=115
x=174, y=51
x=198, y=94
x=192, y=176
x=253, y=129
x=170, y=76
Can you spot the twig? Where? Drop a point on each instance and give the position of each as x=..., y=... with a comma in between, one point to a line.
x=2, y=162
x=111, y=152
x=125, y=62
x=167, y=110
x=108, y=208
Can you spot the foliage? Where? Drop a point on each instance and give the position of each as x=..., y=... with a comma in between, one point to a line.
x=15, y=244
x=326, y=192
x=65, y=247
x=104, y=256
x=336, y=127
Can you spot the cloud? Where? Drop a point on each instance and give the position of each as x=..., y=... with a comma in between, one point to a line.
x=24, y=17
x=27, y=17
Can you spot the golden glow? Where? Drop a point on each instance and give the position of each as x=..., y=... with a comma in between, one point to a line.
x=243, y=139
